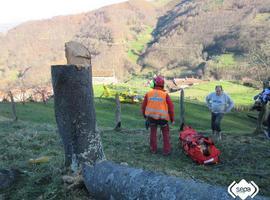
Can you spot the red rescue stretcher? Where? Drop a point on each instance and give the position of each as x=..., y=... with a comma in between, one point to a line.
x=199, y=148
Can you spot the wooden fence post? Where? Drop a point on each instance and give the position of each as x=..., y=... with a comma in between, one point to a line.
x=182, y=110
x=117, y=113
x=13, y=106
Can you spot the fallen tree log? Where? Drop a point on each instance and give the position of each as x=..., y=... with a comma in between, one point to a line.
x=107, y=180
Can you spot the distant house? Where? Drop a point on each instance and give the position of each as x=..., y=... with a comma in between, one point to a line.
x=104, y=77
x=179, y=83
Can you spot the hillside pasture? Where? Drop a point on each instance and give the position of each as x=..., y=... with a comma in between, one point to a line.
x=244, y=155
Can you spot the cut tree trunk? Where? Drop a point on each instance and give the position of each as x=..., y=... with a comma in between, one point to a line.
x=107, y=180
x=75, y=114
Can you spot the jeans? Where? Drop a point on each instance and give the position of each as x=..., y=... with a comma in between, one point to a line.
x=216, y=120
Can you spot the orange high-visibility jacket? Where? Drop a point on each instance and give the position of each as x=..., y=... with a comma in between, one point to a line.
x=157, y=107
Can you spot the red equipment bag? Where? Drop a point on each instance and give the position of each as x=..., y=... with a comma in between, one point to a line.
x=201, y=149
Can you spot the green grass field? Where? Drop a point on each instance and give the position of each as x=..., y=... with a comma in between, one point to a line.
x=225, y=60
x=241, y=95
x=137, y=45
x=244, y=155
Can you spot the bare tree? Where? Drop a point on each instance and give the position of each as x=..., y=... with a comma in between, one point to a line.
x=7, y=88
x=43, y=91
x=20, y=82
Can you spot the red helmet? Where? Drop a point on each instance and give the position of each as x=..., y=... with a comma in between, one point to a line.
x=159, y=81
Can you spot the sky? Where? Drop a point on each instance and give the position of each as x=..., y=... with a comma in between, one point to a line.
x=16, y=11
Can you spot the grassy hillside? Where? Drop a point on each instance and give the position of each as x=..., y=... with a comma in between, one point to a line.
x=37, y=44
x=35, y=135
x=241, y=95
x=137, y=45
x=108, y=33
x=214, y=32
x=115, y=35
x=230, y=39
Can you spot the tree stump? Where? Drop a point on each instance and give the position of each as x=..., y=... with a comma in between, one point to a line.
x=75, y=114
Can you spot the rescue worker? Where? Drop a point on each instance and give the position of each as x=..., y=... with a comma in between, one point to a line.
x=218, y=103
x=158, y=109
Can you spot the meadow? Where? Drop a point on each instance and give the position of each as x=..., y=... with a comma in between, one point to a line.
x=244, y=154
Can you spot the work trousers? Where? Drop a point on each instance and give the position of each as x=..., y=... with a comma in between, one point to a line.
x=165, y=133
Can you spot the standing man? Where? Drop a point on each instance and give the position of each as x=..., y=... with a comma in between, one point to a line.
x=263, y=98
x=158, y=109
x=218, y=103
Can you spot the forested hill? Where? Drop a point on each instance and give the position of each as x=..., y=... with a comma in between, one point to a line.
x=108, y=32
x=210, y=38
x=225, y=36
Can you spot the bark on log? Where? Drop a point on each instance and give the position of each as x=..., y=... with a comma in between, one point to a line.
x=107, y=180
x=75, y=114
